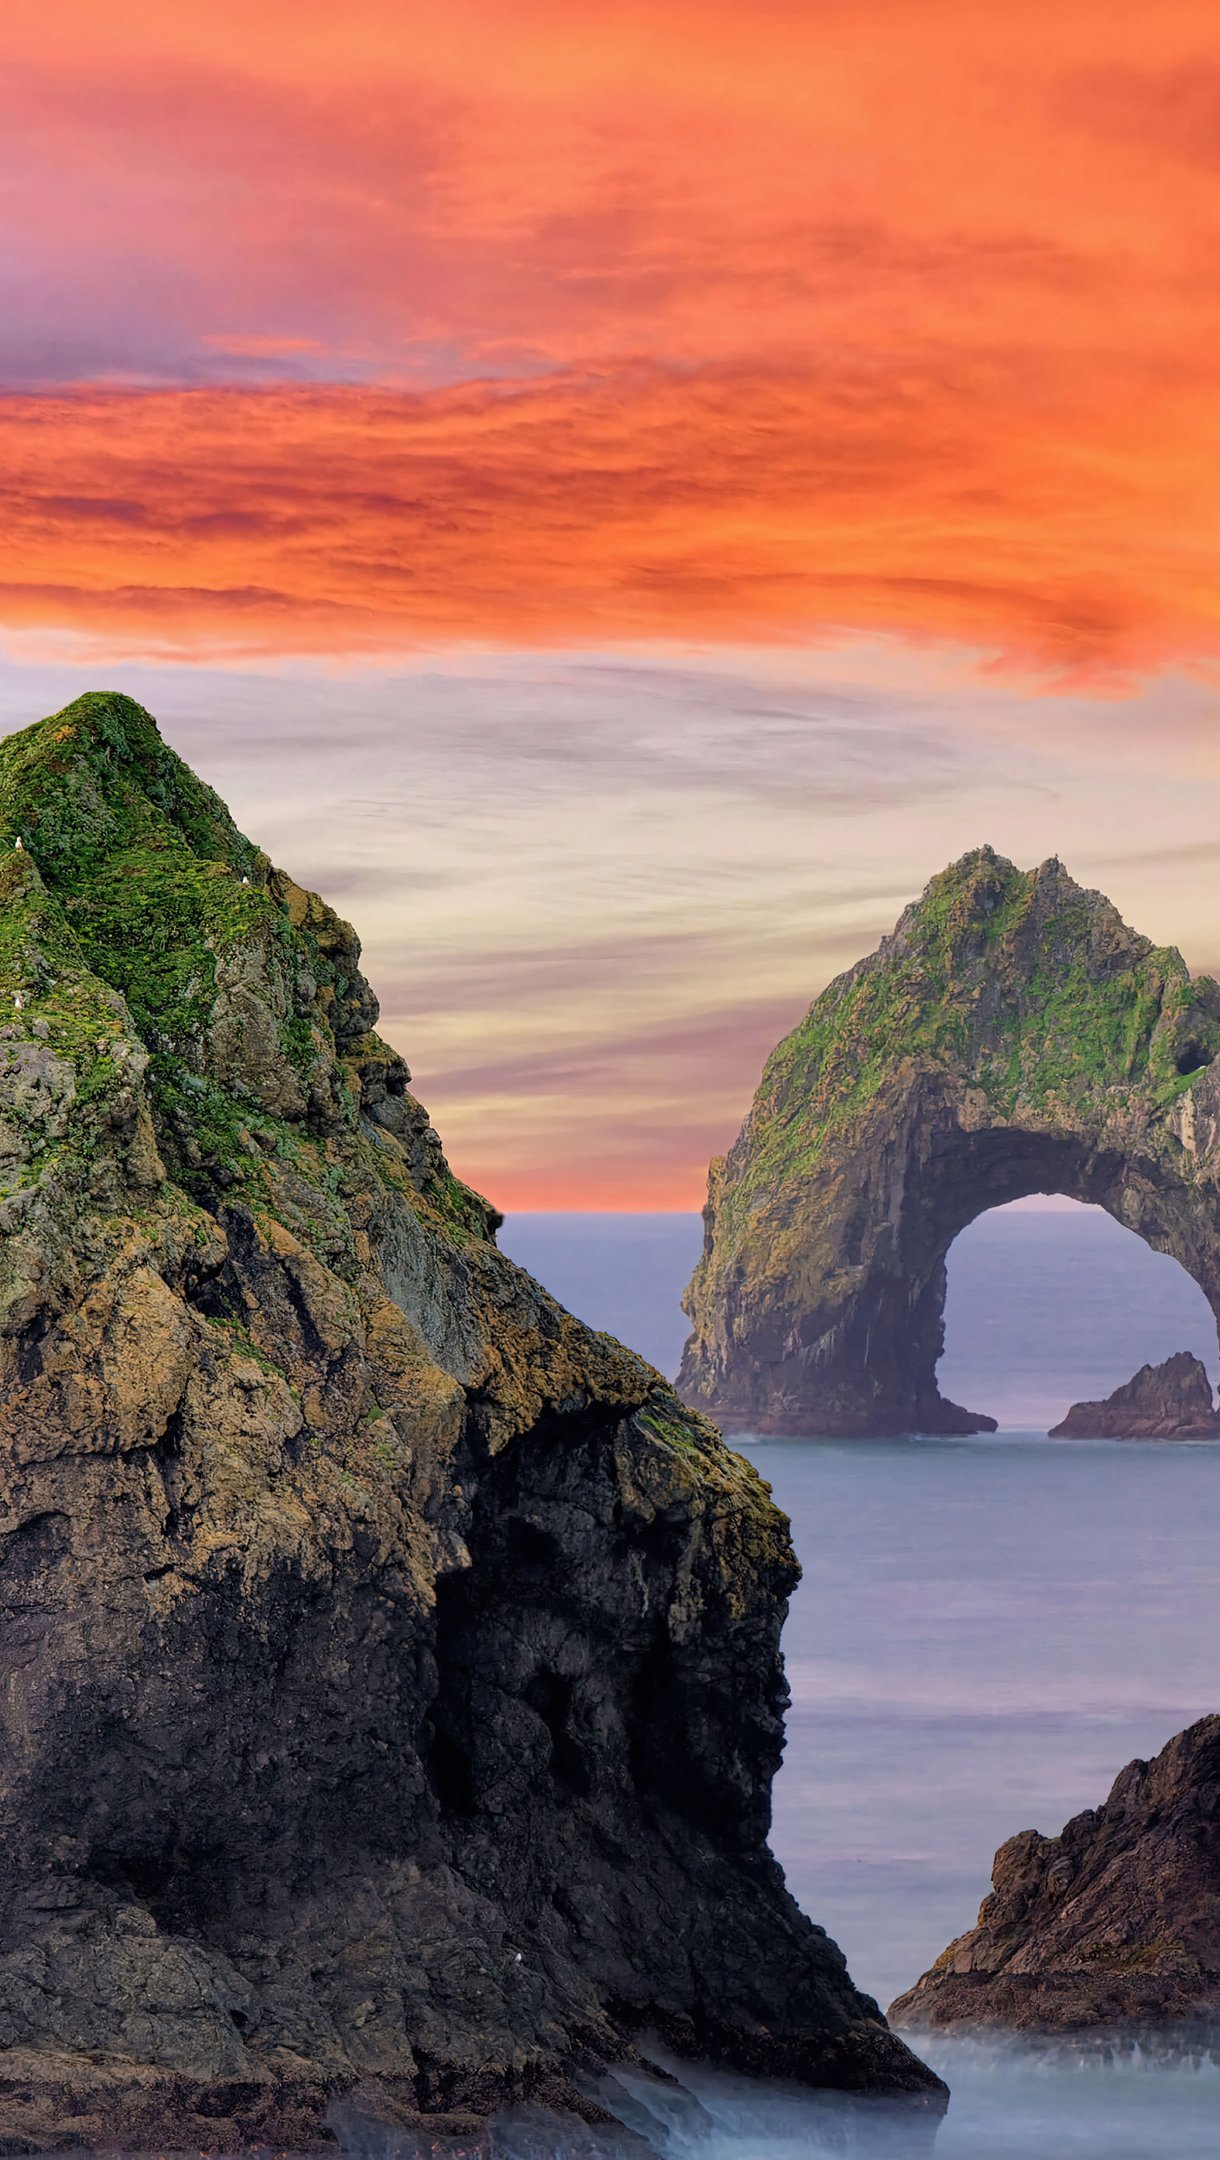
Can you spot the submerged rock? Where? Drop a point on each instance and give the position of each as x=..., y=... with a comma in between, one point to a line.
x=391, y=1675
x=1171, y=1401
x=1011, y=1036
x=1116, y=1922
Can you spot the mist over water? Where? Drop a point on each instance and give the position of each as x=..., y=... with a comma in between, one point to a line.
x=1009, y=2103
x=987, y=1631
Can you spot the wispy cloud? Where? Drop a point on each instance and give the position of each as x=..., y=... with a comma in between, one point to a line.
x=608, y=501
x=595, y=890
x=511, y=328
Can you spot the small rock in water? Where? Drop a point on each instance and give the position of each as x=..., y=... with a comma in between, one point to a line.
x=1171, y=1401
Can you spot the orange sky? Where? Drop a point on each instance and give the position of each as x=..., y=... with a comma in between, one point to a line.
x=730, y=502
x=700, y=320
x=366, y=333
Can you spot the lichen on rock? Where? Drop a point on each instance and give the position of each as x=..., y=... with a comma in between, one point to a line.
x=1012, y=1035
x=392, y=1687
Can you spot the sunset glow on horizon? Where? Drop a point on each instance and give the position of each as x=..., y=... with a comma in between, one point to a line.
x=700, y=468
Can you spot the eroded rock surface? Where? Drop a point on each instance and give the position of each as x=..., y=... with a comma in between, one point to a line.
x=391, y=1688
x=1114, y=1922
x=1011, y=1036
x=1170, y=1401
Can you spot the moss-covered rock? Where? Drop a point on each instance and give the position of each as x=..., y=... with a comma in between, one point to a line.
x=392, y=1687
x=1011, y=1036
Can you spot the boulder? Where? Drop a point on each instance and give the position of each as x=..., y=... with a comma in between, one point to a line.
x=1171, y=1401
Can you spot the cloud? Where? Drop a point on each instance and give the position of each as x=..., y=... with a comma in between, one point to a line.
x=593, y=890
x=723, y=505
x=733, y=326
x=632, y=486
x=1173, y=112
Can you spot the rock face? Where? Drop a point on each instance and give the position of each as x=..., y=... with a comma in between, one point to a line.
x=1115, y=1922
x=1011, y=1036
x=391, y=1687
x=1172, y=1401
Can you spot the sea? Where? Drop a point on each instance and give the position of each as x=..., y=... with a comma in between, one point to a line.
x=987, y=1630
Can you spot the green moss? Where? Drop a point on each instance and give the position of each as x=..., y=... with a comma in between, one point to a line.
x=138, y=869
x=154, y=921
x=463, y=1210
x=237, y=1338
x=666, y=1420
x=982, y=981
x=1129, y=1957
x=96, y=780
x=134, y=907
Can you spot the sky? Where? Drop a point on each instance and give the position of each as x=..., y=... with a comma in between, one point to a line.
x=618, y=496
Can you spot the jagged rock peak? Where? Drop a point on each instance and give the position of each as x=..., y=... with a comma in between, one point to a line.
x=393, y=1688
x=139, y=919
x=1114, y=1923
x=1170, y=1401
x=1011, y=1035
x=982, y=892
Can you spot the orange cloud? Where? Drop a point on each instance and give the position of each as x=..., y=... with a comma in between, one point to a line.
x=377, y=329
x=945, y=497
x=572, y=324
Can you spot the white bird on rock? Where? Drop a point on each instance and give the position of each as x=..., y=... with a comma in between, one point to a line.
x=18, y=843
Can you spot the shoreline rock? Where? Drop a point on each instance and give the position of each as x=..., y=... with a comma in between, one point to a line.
x=1114, y=1924
x=393, y=1687
x=1170, y=1401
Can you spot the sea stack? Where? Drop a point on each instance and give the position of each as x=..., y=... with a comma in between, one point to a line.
x=392, y=1679
x=1115, y=1923
x=1171, y=1401
x=1011, y=1036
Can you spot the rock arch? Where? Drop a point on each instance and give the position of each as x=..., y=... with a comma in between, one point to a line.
x=1012, y=1035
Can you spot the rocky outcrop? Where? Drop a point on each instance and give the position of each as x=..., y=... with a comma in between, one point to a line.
x=1171, y=1401
x=391, y=1677
x=1114, y=1923
x=1011, y=1036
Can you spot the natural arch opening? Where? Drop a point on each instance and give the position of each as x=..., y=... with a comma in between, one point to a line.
x=898, y=1319
x=1052, y=1302
x=860, y=1353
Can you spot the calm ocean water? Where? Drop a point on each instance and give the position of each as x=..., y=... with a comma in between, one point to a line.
x=987, y=1631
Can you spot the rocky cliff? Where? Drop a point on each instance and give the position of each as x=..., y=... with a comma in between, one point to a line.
x=1011, y=1036
x=1171, y=1401
x=1115, y=1922
x=391, y=1687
